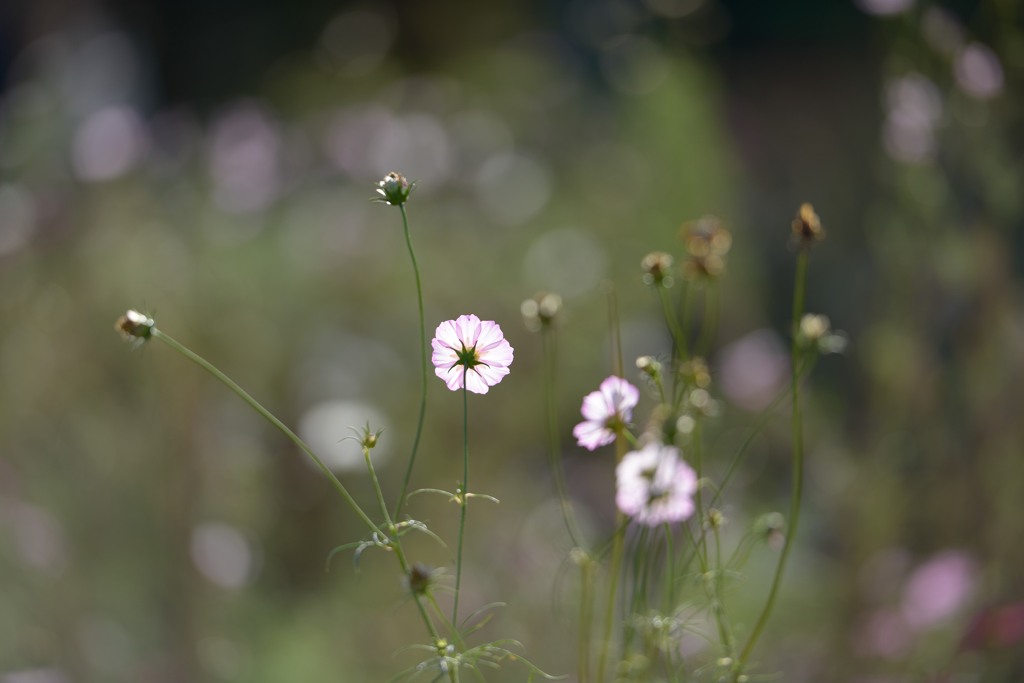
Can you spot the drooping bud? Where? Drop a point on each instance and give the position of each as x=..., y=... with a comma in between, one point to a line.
x=135, y=326
x=394, y=189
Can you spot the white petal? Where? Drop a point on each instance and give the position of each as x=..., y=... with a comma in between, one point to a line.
x=475, y=383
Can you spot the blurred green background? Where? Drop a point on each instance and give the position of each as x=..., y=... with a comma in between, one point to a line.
x=211, y=163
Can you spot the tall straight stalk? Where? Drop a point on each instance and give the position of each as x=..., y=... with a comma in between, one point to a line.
x=423, y=367
x=798, y=462
x=463, y=502
x=551, y=420
x=620, y=519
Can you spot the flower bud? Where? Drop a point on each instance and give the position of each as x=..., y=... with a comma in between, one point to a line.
x=649, y=366
x=695, y=372
x=702, y=403
x=815, y=332
x=368, y=439
x=807, y=226
x=541, y=310
x=770, y=528
x=420, y=579
x=707, y=242
x=394, y=189
x=135, y=326
x=656, y=267
x=715, y=520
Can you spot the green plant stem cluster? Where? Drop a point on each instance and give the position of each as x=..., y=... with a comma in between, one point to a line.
x=656, y=564
x=647, y=570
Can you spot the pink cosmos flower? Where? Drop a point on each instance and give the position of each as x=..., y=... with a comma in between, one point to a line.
x=470, y=352
x=655, y=485
x=606, y=411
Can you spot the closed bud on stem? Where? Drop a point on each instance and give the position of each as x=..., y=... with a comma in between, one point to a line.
x=367, y=438
x=770, y=528
x=649, y=366
x=656, y=267
x=707, y=242
x=807, y=226
x=394, y=189
x=541, y=310
x=135, y=326
x=815, y=332
x=715, y=520
x=695, y=373
x=420, y=579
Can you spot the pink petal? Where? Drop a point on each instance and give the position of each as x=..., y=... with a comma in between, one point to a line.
x=592, y=435
x=475, y=383
x=451, y=376
x=595, y=407
x=490, y=375
x=468, y=328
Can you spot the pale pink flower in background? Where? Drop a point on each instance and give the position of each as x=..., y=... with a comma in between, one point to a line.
x=655, y=485
x=606, y=410
x=938, y=589
x=470, y=352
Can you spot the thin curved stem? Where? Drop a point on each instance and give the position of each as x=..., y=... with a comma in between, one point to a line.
x=798, y=463
x=270, y=417
x=393, y=541
x=423, y=368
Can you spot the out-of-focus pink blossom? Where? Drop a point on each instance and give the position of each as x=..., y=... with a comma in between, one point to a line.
x=607, y=411
x=655, y=486
x=938, y=589
x=470, y=352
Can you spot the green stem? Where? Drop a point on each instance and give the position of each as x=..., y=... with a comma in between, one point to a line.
x=724, y=631
x=379, y=493
x=554, y=452
x=620, y=519
x=586, y=618
x=678, y=336
x=709, y=320
x=255, y=405
x=697, y=448
x=798, y=462
x=463, y=502
x=393, y=541
x=396, y=545
x=423, y=368
x=670, y=558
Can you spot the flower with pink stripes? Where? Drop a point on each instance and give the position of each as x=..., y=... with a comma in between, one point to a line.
x=607, y=411
x=470, y=353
